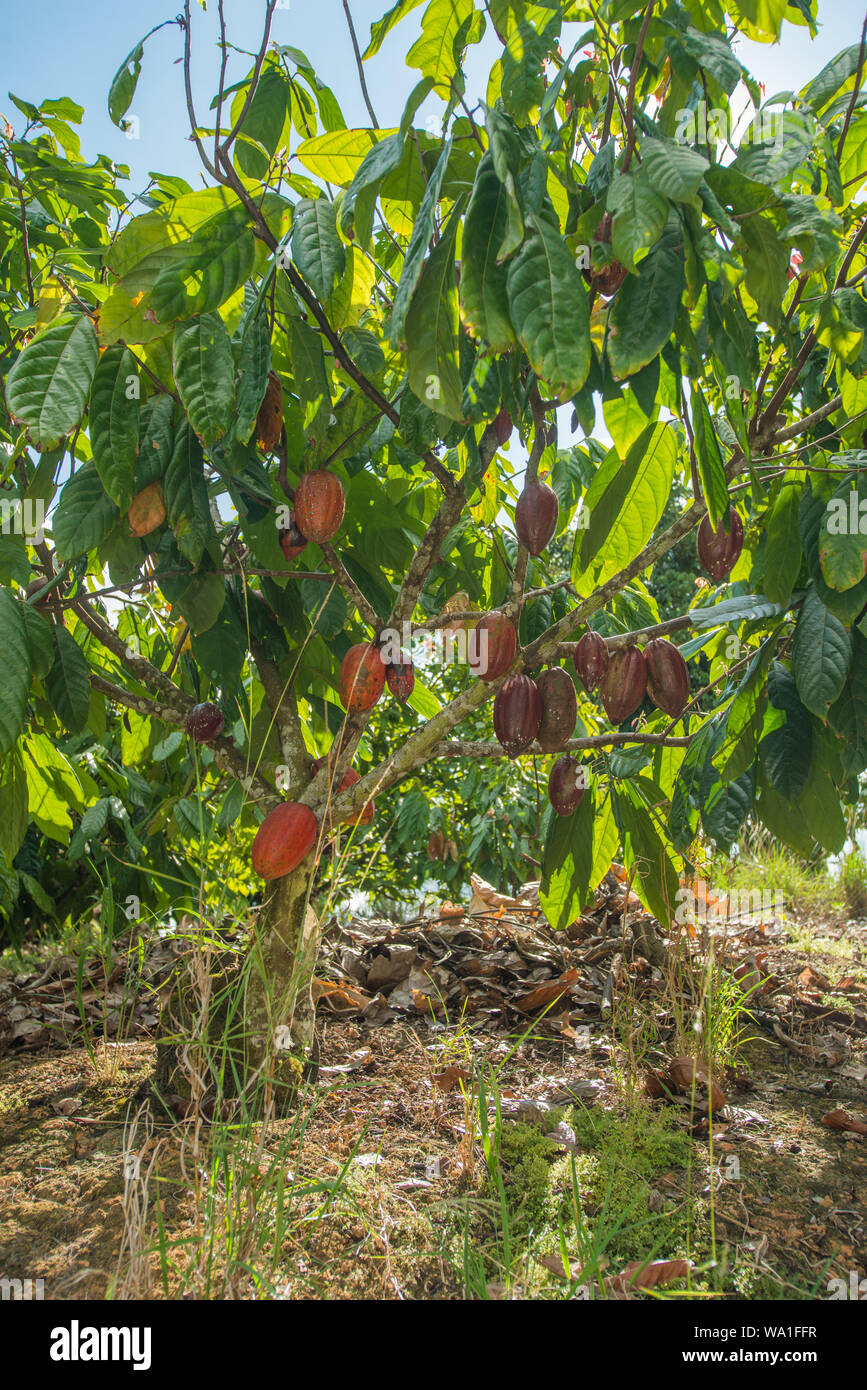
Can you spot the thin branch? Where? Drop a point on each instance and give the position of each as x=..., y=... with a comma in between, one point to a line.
x=458, y=749
x=360, y=65
x=855, y=90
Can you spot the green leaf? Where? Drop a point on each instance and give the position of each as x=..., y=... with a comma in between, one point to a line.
x=432, y=325
x=711, y=470
x=656, y=880
x=383, y=27
x=783, y=545
x=254, y=364
x=645, y=307
x=639, y=213
x=40, y=642
x=14, y=563
x=821, y=654
x=766, y=261
x=311, y=375
x=49, y=383
x=842, y=544
x=67, y=684
x=433, y=53
x=155, y=441
x=848, y=714
x=15, y=685
x=624, y=502
x=204, y=373
x=186, y=495
x=484, y=296
x=84, y=515
x=124, y=83
x=316, y=248
x=357, y=206
x=364, y=349
x=199, y=602
x=726, y=809
x=549, y=308
x=786, y=752
x=673, y=169
x=14, y=817
x=419, y=241
x=745, y=608
x=567, y=862
x=114, y=423
x=819, y=91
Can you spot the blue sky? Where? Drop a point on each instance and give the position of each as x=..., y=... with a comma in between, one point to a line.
x=60, y=49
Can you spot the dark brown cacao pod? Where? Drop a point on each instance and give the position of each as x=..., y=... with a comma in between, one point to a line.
x=436, y=845
x=493, y=646
x=559, y=708
x=205, y=722
x=503, y=426
x=591, y=659
x=362, y=678
x=400, y=678
x=285, y=837
x=667, y=677
x=291, y=540
x=608, y=278
x=623, y=686
x=566, y=785
x=269, y=421
x=517, y=713
x=319, y=505
x=719, y=550
x=536, y=515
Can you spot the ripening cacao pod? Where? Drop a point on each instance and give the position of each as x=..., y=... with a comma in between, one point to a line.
x=624, y=684
x=285, y=837
x=559, y=708
x=350, y=777
x=362, y=678
x=400, y=678
x=517, y=713
x=667, y=677
x=591, y=659
x=205, y=722
x=269, y=421
x=147, y=510
x=536, y=515
x=566, y=785
x=503, y=427
x=291, y=540
x=720, y=550
x=319, y=505
x=493, y=646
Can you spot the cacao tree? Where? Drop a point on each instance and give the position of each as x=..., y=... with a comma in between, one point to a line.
x=276, y=427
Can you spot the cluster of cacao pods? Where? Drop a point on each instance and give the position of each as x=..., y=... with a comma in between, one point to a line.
x=438, y=847
x=625, y=676
x=526, y=710
x=364, y=675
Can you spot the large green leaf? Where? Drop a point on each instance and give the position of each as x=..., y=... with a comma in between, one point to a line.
x=84, y=515
x=186, y=495
x=48, y=385
x=357, y=206
x=114, y=423
x=711, y=469
x=16, y=677
x=821, y=654
x=726, y=809
x=383, y=27
x=14, y=803
x=418, y=243
x=645, y=307
x=656, y=881
x=316, y=248
x=549, y=308
x=783, y=545
x=842, y=543
x=432, y=325
x=124, y=83
x=204, y=372
x=433, y=53
x=311, y=376
x=254, y=364
x=640, y=214
x=786, y=752
x=67, y=684
x=848, y=714
x=624, y=503
x=567, y=863
x=484, y=297
x=673, y=169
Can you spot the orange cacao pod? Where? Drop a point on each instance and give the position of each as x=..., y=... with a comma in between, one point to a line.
x=362, y=678
x=319, y=505
x=285, y=838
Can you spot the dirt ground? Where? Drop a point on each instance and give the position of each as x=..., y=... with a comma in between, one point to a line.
x=390, y=1132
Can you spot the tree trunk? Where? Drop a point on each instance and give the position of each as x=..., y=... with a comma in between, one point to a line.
x=246, y=1032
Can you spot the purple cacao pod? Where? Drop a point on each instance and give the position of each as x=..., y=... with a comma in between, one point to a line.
x=623, y=686
x=667, y=677
x=517, y=713
x=566, y=785
x=719, y=550
x=591, y=659
x=559, y=708
x=536, y=515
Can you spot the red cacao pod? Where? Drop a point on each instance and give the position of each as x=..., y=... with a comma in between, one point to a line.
x=566, y=785
x=503, y=427
x=517, y=713
x=400, y=678
x=720, y=550
x=591, y=659
x=667, y=677
x=350, y=777
x=285, y=837
x=269, y=421
x=623, y=686
x=494, y=646
x=319, y=505
x=205, y=722
x=536, y=515
x=291, y=540
x=559, y=708
x=362, y=678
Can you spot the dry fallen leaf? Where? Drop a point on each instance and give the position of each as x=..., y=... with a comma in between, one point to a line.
x=841, y=1119
x=690, y=1075
x=451, y=1078
x=638, y=1276
x=549, y=993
